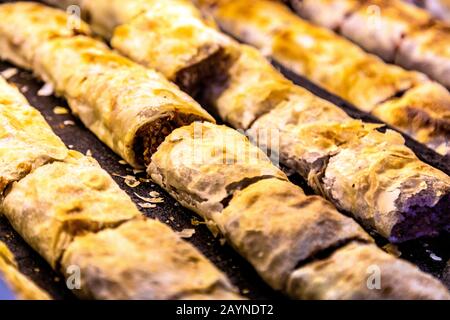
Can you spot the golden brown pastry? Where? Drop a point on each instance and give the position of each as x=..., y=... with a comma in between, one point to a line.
x=63, y=200
x=20, y=39
x=328, y=13
x=26, y=140
x=394, y=30
x=129, y=107
x=275, y=226
x=377, y=25
x=253, y=87
x=165, y=36
x=143, y=260
x=438, y=8
x=380, y=25
x=310, y=131
x=369, y=273
x=422, y=112
x=427, y=50
x=203, y=164
x=387, y=188
x=325, y=58
x=23, y=287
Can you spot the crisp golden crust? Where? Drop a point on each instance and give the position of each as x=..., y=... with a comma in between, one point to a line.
x=320, y=55
x=423, y=112
x=428, y=51
x=171, y=36
x=253, y=87
x=113, y=96
x=328, y=13
x=310, y=131
x=26, y=140
x=380, y=25
x=388, y=188
x=275, y=226
x=201, y=165
x=105, y=15
x=142, y=260
x=369, y=274
x=23, y=287
x=64, y=199
x=19, y=40
x=438, y=8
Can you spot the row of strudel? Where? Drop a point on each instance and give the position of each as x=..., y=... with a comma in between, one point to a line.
x=438, y=8
x=396, y=31
x=209, y=168
x=406, y=100
x=300, y=245
x=325, y=145
x=129, y=107
x=75, y=216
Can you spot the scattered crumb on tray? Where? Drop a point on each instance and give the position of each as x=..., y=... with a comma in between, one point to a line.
x=9, y=73
x=46, y=90
x=69, y=123
x=146, y=205
x=186, y=233
x=88, y=153
x=435, y=257
x=60, y=110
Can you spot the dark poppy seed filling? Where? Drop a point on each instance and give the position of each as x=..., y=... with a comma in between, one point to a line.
x=152, y=134
x=421, y=220
x=211, y=63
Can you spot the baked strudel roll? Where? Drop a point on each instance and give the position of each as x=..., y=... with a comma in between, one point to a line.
x=369, y=273
x=127, y=106
x=61, y=200
x=328, y=60
x=26, y=140
x=427, y=50
x=203, y=164
x=387, y=188
x=165, y=36
x=276, y=227
x=143, y=260
x=26, y=25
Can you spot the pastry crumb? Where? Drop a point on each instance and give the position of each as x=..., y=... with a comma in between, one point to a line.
x=9, y=73
x=435, y=257
x=60, y=110
x=146, y=205
x=46, y=90
x=186, y=233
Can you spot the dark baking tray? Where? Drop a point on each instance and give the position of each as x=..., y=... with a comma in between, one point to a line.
x=423, y=252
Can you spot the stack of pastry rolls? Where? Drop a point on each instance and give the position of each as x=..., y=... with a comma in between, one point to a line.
x=370, y=174
x=287, y=236
x=75, y=216
x=404, y=99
